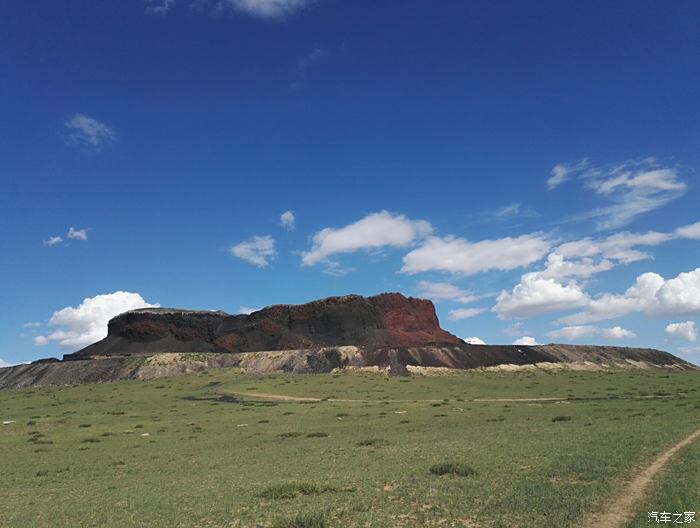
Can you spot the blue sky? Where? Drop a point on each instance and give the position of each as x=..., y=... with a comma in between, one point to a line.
x=531, y=168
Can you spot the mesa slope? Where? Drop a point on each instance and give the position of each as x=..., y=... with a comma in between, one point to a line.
x=384, y=331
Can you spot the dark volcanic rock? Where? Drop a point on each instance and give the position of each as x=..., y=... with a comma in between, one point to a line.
x=387, y=331
x=386, y=320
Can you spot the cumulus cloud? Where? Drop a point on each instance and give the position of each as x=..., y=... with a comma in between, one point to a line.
x=158, y=7
x=53, y=241
x=536, y=295
x=85, y=324
x=631, y=188
x=288, y=220
x=588, y=256
x=557, y=267
x=259, y=250
x=87, y=131
x=555, y=288
x=458, y=255
x=617, y=332
x=374, y=231
x=574, y=333
x=268, y=9
x=473, y=340
x=77, y=234
x=464, y=313
x=686, y=330
x=650, y=294
x=73, y=234
x=620, y=247
x=526, y=341
x=444, y=291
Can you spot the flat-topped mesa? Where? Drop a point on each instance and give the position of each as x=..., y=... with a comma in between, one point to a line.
x=385, y=320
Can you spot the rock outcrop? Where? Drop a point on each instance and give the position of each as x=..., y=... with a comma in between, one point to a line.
x=386, y=320
x=385, y=332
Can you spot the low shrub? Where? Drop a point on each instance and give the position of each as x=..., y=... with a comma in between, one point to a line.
x=290, y=434
x=459, y=469
x=371, y=442
x=561, y=419
x=302, y=520
x=290, y=490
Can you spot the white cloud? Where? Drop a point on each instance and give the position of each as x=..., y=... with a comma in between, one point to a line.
x=557, y=267
x=620, y=247
x=633, y=188
x=52, y=241
x=464, y=313
x=288, y=220
x=4, y=364
x=473, y=340
x=562, y=172
x=33, y=324
x=40, y=341
x=77, y=234
x=87, y=323
x=617, y=332
x=526, y=341
x=458, y=255
x=554, y=288
x=158, y=7
x=588, y=256
x=537, y=295
x=508, y=212
x=374, y=231
x=650, y=294
x=444, y=291
x=691, y=231
x=87, y=131
x=574, y=333
x=247, y=310
x=269, y=9
x=685, y=331
x=73, y=234
x=259, y=250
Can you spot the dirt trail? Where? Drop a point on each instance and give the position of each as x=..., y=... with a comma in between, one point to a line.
x=282, y=397
x=623, y=505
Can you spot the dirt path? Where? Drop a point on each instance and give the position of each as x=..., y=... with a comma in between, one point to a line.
x=623, y=505
x=282, y=397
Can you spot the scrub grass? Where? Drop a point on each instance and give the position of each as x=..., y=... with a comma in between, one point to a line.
x=205, y=450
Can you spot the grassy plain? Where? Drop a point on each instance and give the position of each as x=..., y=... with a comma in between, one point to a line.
x=211, y=450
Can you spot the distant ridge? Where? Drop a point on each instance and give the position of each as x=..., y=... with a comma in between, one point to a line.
x=386, y=331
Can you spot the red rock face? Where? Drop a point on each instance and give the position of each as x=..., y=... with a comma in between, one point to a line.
x=385, y=320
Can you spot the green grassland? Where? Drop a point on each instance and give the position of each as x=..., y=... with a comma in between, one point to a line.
x=204, y=450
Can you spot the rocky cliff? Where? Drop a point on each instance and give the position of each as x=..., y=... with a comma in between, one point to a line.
x=387, y=331
x=386, y=320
